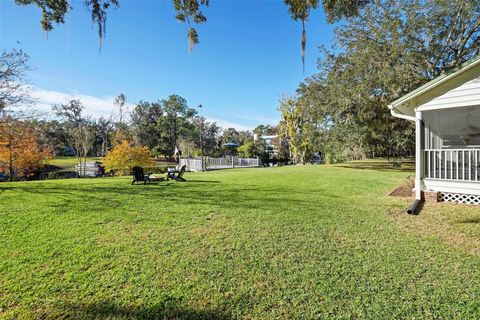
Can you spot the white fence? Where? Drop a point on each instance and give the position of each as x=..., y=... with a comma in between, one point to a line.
x=247, y=162
x=218, y=163
x=453, y=164
x=207, y=163
x=192, y=164
x=89, y=169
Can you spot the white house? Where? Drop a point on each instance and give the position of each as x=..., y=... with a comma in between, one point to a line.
x=446, y=112
x=269, y=142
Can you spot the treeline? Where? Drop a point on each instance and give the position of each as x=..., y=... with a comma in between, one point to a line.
x=162, y=129
x=165, y=127
x=387, y=49
x=382, y=51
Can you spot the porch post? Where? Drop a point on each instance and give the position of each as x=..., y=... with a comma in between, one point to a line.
x=419, y=154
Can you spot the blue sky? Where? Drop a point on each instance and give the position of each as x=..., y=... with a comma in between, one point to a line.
x=248, y=56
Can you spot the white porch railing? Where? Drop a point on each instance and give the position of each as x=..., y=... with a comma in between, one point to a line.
x=452, y=164
x=207, y=163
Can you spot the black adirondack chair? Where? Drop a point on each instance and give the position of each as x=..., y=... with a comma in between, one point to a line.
x=139, y=176
x=177, y=175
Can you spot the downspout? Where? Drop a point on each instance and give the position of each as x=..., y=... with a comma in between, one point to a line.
x=418, y=149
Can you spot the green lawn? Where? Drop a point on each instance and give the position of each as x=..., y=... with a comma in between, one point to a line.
x=276, y=243
x=69, y=162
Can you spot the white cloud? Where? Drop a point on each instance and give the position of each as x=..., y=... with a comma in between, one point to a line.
x=259, y=118
x=94, y=106
x=228, y=124
x=98, y=106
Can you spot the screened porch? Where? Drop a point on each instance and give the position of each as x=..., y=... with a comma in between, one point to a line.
x=452, y=144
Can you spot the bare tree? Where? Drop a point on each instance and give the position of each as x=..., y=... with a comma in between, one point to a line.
x=13, y=66
x=120, y=102
x=84, y=137
x=105, y=127
x=80, y=131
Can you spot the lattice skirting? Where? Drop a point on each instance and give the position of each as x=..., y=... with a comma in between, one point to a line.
x=460, y=198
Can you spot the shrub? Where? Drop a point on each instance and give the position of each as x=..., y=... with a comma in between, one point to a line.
x=247, y=149
x=124, y=156
x=328, y=158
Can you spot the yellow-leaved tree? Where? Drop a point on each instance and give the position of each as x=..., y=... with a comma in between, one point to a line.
x=124, y=156
x=20, y=152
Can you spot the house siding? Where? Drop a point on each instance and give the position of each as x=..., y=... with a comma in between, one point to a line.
x=464, y=94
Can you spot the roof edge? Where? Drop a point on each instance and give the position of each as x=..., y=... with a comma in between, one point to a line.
x=436, y=82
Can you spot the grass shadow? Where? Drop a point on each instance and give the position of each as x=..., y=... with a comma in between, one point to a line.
x=470, y=221
x=192, y=192
x=169, y=308
x=379, y=166
x=203, y=181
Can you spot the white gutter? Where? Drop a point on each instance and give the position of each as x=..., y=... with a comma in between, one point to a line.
x=418, y=152
x=400, y=115
x=418, y=118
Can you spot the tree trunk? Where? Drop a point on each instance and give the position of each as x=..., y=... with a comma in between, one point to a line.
x=10, y=165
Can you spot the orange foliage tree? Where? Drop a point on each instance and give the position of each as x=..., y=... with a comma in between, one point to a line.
x=124, y=156
x=20, y=152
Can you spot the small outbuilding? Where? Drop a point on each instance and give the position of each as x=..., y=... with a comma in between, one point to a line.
x=446, y=112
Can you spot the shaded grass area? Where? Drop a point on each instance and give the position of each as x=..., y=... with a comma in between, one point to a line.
x=381, y=164
x=271, y=243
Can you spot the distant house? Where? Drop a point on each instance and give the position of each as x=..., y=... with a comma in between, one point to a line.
x=446, y=112
x=269, y=142
x=68, y=151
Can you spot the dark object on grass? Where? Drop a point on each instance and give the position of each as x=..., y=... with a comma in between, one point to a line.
x=177, y=175
x=139, y=176
x=414, y=206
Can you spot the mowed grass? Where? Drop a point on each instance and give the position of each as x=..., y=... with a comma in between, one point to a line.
x=275, y=243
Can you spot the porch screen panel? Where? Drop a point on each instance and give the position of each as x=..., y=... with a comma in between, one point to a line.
x=453, y=128
x=452, y=143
